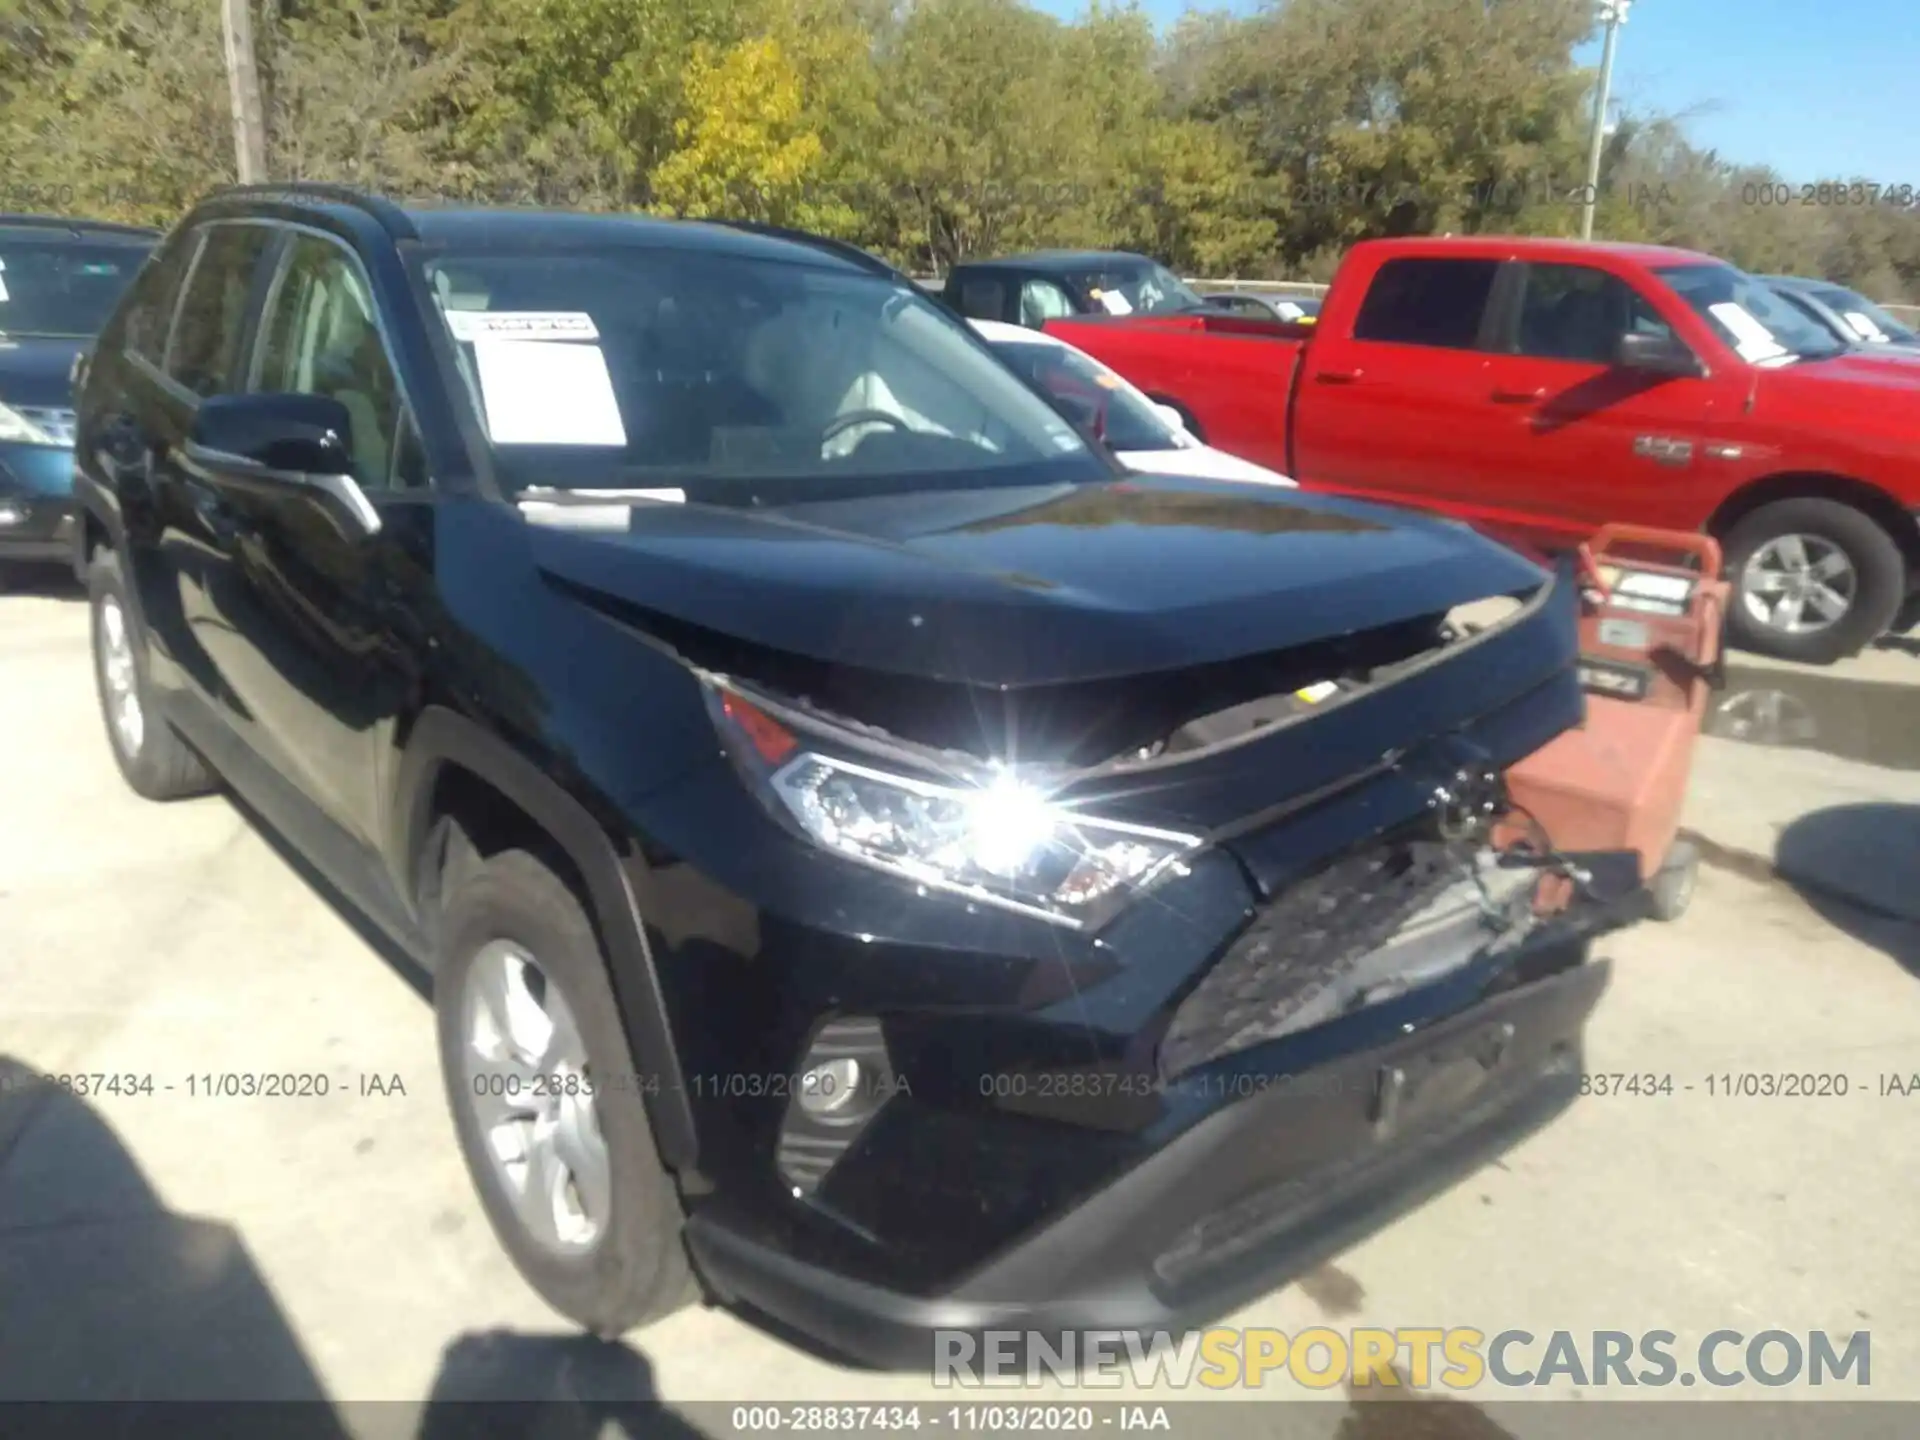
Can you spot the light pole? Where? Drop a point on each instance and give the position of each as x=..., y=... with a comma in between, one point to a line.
x=1613, y=14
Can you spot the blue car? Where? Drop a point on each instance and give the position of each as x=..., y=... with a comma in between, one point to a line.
x=59, y=280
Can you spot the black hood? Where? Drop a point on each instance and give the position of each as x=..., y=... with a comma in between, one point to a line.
x=37, y=372
x=1025, y=587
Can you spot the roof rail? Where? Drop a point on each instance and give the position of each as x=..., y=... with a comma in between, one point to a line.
x=865, y=259
x=77, y=226
x=392, y=218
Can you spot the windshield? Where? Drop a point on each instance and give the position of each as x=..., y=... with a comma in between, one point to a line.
x=1762, y=326
x=1138, y=289
x=63, y=287
x=1867, y=320
x=1091, y=395
x=739, y=376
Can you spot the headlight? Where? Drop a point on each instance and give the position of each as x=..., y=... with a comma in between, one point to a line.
x=16, y=427
x=993, y=835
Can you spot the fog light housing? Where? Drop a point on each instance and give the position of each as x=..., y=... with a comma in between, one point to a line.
x=12, y=514
x=842, y=1081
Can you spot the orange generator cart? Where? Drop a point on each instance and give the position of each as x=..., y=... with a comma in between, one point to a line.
x=1649, y=657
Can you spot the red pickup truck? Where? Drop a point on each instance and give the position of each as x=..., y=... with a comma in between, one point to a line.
x=1540, y=388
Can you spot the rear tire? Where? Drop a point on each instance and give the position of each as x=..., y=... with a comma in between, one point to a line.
x=595, y=1226
x=1823, y=551
x=1674, y=883
x=154, y=761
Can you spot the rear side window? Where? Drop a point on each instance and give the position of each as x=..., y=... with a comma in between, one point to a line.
x=213, y=312
x=983, y=299
x=1418, y=301
x=155, y=293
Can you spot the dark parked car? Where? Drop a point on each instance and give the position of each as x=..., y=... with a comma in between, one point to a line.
x=1293, y=309
x=1048, y=285
x=1847, y=314
x=866, y=844
x=59, y=280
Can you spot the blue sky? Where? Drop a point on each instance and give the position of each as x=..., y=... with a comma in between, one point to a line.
x=1814, y=88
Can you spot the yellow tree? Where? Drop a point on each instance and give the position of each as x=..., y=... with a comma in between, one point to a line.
x=743, y=148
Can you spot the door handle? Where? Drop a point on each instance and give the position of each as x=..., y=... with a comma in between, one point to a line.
x=1519, y=397
x=1338, y=377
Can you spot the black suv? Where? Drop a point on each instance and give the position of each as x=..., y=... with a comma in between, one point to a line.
x=59, y=280
x=866, y=844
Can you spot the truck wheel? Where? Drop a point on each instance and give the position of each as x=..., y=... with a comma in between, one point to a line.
x=1673, y=884
x=154, y=761
x=1813, y=580
x=545, y=1102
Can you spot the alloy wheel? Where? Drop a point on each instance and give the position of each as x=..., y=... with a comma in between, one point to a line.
x=531, y=1095
x=1798, y=584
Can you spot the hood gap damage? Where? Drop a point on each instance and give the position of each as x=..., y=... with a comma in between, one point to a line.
x=1086, y=726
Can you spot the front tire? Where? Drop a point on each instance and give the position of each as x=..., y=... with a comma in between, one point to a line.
x=550, y=1115
x=154, y=761
x=1813, y=580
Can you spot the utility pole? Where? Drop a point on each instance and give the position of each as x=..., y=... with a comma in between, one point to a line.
x=243, y=83
x=1613, y=14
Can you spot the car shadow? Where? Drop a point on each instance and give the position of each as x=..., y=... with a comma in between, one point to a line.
x=1856, y=865
x=112, y=1299
x=546, y=1387
x=1899, y=644
x=123, y=1317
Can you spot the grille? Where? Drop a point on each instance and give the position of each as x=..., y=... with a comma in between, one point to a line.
x=1292, y=957
x=56, y=421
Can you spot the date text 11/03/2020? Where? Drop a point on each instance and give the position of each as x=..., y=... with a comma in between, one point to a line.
x=1753, y=1084
x=214, y=1084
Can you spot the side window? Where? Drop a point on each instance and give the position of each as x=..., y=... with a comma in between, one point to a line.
x=983, y=299
x=320, y=337
x=1418, y=301
x=151, y=302
x=207, y=334
x=1041, y=301
x=1578, y=313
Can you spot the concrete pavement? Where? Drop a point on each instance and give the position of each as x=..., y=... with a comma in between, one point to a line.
x=174, y=1243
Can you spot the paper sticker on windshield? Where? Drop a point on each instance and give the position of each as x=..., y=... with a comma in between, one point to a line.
x=547, y=392
x=477, y=325
x=1115, y=303
x=1751, y=340
x=1289, y=311
x=1864, y=327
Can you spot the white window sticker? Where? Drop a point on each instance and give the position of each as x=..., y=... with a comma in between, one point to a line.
x=548, y=392
x=1289, y=311
x=1864, y=327
x=1752, y=341
x=1115, y=303
x=477, y=325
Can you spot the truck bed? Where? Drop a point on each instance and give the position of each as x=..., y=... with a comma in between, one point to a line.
x=1232, y=374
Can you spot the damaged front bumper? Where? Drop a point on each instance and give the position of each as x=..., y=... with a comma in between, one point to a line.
x=1258, y=1170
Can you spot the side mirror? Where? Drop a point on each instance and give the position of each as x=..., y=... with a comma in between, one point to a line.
x=285, y=440
x=1172, y=416
x=1657, y=355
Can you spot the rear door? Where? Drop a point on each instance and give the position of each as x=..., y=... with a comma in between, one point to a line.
x=1569, y=440
x=1395, y=407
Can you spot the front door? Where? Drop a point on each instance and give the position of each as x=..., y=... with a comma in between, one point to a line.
x=1572, y=439
x=316, y=663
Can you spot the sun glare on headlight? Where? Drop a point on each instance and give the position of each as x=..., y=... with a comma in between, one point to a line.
x=1001, y=839
x=1008, y=822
